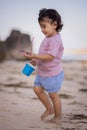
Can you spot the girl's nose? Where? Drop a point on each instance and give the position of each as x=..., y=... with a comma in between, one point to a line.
x=42, y=29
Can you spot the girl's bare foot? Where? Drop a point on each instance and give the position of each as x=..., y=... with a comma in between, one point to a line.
x=54, y=120
x=46, y=113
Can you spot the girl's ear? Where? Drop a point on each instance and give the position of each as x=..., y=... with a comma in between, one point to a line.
x=55, y=24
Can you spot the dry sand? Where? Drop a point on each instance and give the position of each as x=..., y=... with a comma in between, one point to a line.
x=20, y=109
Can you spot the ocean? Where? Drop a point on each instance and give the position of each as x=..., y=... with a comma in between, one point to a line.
x=79, y=57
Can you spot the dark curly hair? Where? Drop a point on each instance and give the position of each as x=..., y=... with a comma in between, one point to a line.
x=53, y=15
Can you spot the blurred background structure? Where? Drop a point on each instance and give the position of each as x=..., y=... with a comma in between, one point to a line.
x=9, y=47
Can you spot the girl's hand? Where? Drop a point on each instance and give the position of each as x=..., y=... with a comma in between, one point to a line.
x=33, y=62
x=28, y=55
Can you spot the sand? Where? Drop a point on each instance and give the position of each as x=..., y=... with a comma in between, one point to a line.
x=20, y=109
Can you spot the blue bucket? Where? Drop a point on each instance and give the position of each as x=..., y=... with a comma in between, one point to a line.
x=28, y=69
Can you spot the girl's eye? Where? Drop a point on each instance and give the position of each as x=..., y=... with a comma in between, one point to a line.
x=43, y=26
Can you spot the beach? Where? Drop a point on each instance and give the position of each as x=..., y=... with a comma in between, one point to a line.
x=20, y=109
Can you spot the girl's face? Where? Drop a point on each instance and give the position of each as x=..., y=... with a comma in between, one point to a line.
x=48, y=27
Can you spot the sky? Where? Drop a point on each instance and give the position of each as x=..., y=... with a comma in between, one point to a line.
x=23, y=14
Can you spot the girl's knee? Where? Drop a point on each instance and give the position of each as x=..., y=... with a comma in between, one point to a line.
x=37, y=90
x=53, y=95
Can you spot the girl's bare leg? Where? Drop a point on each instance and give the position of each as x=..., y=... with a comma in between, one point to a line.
x=57, y=108
x=45, y=100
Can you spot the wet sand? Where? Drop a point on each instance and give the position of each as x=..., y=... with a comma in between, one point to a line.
x=20, y=109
